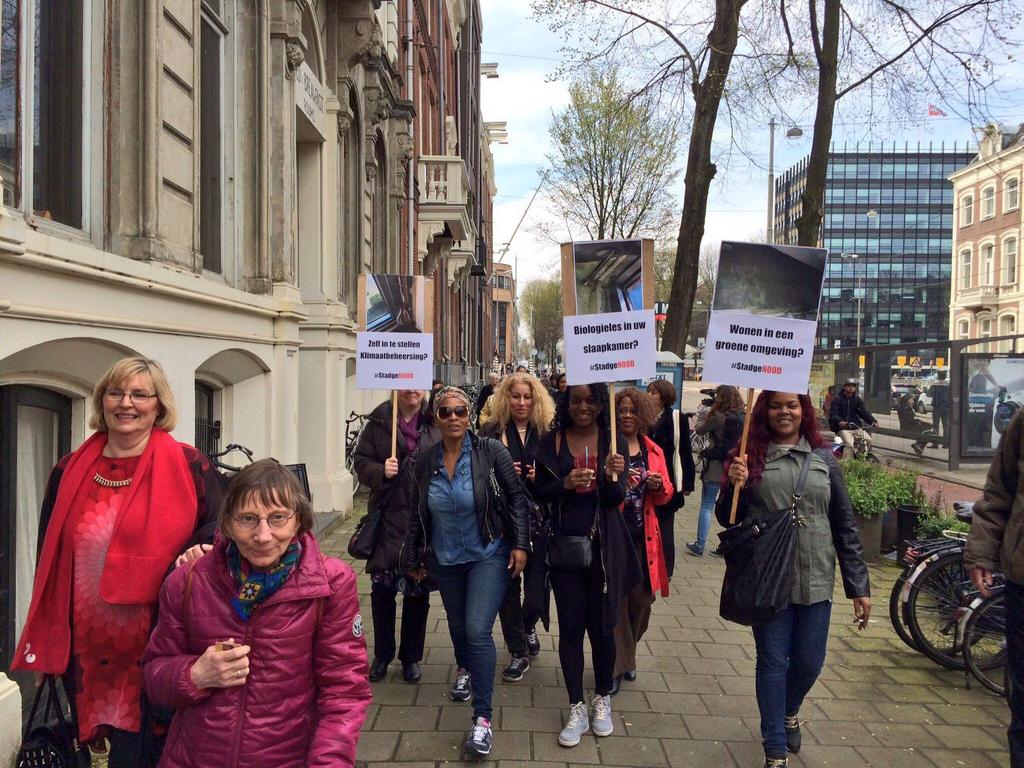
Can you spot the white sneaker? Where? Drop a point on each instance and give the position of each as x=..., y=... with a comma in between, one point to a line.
x=578, y=724
x=602, y=723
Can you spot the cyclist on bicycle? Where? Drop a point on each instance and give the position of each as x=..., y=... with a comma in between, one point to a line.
x=847, y=417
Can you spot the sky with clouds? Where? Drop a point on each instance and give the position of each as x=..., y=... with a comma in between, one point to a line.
x=525, y=97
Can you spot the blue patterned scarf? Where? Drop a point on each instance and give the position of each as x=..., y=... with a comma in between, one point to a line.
x=257, y=586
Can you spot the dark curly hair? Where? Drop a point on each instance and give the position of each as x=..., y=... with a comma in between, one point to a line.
x=598, y=391
x=646, y=411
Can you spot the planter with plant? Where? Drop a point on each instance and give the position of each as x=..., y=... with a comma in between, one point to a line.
x=868, y=487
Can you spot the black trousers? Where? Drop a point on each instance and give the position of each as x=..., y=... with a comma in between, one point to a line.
x=515, y=623
x=579, y=596
x=1015, y=670
x=383, y=604
x=667, y=524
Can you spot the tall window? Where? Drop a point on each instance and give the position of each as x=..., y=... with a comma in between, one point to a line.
x=380, y=209
x=42, y=74
x=1010, y=260
x=1011, y=195
x=965, y=269
x=988, y=202
x=967, y=210
x=1007, y=327
x=963, y=329
x=211, y=154
x=987, y=264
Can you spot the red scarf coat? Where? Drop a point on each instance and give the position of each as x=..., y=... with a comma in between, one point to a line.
x=157, y=520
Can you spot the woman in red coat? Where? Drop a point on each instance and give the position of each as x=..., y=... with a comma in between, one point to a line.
x=116, y=513
x=259, y=644
x=647, y=486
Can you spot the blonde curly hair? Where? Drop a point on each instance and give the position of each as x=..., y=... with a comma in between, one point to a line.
x=542, y=413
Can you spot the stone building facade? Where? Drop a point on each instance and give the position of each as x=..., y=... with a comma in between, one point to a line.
x=988, y=290
x=201, y=182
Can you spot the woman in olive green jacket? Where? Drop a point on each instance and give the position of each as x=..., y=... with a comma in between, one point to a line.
x=791, y=646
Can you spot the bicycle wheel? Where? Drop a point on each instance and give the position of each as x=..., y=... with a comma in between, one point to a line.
x=350, y=465
x=938, y=595
x=984, y=643
x=896, y=610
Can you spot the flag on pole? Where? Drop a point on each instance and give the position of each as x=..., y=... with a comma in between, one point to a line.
x=934, y=111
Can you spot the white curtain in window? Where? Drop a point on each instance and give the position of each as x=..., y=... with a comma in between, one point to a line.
x=37, y=431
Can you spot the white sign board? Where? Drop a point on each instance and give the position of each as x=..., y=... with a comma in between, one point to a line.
x=309, y=97
x=607, y=347
x=757, y=351
x=391, y=360
x=764, y=316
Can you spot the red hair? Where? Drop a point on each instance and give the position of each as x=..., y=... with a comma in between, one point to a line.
x=760, y=435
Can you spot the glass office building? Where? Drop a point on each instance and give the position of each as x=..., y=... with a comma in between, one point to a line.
x=888, y=228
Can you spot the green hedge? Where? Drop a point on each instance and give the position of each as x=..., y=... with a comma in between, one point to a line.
x=875, y=489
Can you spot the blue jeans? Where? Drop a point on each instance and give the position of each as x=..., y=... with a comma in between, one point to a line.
x=708, y=495
x=790, y=652
x=472, y=594
x=1014, y=602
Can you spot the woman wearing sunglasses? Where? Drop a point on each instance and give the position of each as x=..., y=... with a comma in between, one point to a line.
x=521, y=414
x=471, y=532
x=591, y=555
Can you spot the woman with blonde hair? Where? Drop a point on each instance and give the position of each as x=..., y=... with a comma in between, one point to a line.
x=117, y=512
x=521, y=414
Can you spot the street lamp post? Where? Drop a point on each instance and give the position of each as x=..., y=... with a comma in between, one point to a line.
x=792, y=133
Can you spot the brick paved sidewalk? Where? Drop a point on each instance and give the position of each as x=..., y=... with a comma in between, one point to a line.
x=877, y=703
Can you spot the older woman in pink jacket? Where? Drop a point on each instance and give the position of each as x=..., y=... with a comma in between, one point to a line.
x=259, y=644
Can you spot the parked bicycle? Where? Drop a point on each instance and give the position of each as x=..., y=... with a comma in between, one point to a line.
x=354, y=425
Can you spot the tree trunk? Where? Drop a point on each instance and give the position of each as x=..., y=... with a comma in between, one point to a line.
x=700, y=171
x=808, y=226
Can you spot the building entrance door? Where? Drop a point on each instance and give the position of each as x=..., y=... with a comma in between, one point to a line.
x=35, y=431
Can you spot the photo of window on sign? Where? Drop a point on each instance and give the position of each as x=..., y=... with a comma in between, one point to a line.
x=769, y=280
x=393, y=304
x=609, y=276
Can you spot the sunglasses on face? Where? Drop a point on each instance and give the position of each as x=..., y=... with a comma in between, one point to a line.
x=459, y=410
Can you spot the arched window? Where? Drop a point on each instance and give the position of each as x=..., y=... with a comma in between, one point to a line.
x=965, y=268
x=988, y=202
x=963, y=329
x=966, y=210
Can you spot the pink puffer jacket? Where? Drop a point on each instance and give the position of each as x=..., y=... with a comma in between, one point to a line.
x=307, y=693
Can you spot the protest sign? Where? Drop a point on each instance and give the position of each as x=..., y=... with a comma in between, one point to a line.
x=394, y=347
x=608, y=310
x=764, y=316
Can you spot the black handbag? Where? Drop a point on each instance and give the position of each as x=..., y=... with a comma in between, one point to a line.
x=759, y=556
x=366, y=535
x=52, y=741
x=572, y=553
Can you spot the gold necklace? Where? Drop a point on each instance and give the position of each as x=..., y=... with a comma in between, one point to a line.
x=100, y=480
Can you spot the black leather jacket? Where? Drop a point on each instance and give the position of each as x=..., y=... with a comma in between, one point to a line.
x=485, y=454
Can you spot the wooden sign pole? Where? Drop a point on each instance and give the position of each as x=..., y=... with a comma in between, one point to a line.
x=611, y=416
x=742, y=452
x=394, y=424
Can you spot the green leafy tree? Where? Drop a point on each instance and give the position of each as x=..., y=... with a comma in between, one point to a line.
x=540, y=307
x=614, y=161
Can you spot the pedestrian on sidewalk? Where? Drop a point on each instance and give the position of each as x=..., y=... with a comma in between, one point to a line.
x=994, y=545
x=647, y=485
x=723, y=425
x=471, y=533
x=591, y=556
x=791, y=647
x=259, y=643
x=521, y=414
x=671, y=432
x=390, y=481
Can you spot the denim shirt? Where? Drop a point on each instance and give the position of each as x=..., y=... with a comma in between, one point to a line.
x=455, y=533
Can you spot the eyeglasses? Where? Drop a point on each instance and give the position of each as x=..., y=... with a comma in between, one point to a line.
x=274, y=520
x=137, y=397
x=459, y=410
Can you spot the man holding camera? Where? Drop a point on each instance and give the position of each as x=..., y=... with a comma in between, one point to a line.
x=847, y=417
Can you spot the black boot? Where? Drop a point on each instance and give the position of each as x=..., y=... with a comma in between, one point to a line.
x=616, y=682
x=793, y=733
x=378, y=671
